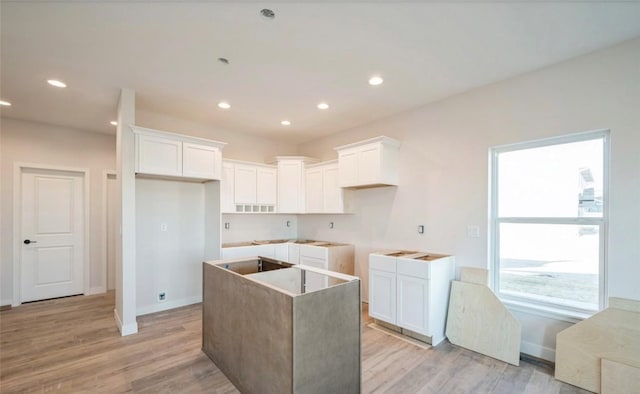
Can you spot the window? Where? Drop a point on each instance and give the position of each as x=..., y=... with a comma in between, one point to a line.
x=548, y=222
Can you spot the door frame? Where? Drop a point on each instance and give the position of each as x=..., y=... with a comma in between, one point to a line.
x=18, y=168
x=105, y=230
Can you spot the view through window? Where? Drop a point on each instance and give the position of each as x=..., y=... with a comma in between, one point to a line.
x=548, y=216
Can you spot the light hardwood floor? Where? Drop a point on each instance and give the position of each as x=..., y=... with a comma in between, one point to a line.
x=72, y=345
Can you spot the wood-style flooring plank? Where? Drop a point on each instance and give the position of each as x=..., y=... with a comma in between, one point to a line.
x=71, y=345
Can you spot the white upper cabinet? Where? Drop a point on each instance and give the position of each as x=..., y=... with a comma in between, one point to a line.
x=291, y=183
x=248, y=187
x=369, y=163
x=245, y=189
x=201, y=161
x=323, y=191
x=266, y=182
x=175, y=155
x=158, y=155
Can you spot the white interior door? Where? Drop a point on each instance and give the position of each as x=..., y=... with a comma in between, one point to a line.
x=111, y=231
x=52, y=226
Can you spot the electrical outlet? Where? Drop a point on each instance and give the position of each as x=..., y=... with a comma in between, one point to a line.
x=162, y=296
x=163, y=227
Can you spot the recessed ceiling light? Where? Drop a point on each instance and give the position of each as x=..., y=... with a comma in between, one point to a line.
x=375, y=80
x=56, y=83
x=267, y=13
x=285, y=123
x=5, y=103
x=323, y=106
x=113, y=123
x=224, y=105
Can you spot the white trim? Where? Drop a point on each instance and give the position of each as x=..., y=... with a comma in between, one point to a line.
x=105, y=232
x=159, y=307
x=18, y=168
x=535, y=350
x=95, y=290
x=548, y=312
x=125, y=330
x=6, y=302
x=531, y=306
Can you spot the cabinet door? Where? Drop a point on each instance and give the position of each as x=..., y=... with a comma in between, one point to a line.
x=245, y=184
x=331, y=190
x=348, y=162
x=266, y=186
x=314, y=192
x=201, y=161
x=282, y=252
x=226, y=189
x=159, y=156
x=369, y=164
x=290, y=187
x=382, y=295
x=294, y=253
x=413, y=313
x=314, y=281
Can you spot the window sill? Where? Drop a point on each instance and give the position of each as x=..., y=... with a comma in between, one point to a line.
x=546, y=311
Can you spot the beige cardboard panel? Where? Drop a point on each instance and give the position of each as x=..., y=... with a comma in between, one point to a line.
x=619, y=378
x=474, y=275
x=612, y=334
x=478, y=321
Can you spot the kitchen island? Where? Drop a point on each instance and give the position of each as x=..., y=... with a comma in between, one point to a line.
x=269, y=333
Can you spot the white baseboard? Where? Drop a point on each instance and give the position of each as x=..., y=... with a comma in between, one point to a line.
x=95, y=290
x=163, y=306
x=6, y=302
x=127, y=329
x=538, y=351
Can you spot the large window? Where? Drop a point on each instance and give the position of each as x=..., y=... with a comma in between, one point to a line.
x=548, y=222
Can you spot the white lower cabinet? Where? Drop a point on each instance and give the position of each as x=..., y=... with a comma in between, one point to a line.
x=411, y=291
x=239, y=252
x=382, y=295
x=412, y=303
x=281, y=252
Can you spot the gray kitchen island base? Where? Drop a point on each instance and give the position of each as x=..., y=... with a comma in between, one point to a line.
x=268, y=335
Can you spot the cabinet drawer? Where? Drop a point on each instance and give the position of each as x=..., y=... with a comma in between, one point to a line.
x=313, y=251
x=414, y=268
x=382, y=263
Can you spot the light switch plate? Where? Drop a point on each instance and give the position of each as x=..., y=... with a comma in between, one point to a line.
x=473, y=231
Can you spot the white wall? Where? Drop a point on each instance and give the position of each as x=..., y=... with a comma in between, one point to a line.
x=170, y=260
x=444, y=167
x=39, y=143
x=249, y=227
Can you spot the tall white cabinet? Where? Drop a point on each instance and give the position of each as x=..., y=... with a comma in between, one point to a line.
x=410, y=290
x=322, y=188
x=291, y=183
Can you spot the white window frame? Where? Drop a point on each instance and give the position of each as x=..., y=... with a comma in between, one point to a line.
x=527, y=304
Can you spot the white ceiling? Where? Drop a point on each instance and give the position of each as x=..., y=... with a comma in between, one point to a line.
x=282, y=68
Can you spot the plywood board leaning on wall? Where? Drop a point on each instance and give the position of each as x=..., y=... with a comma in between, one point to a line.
x=612, y=334
x=477, y=320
